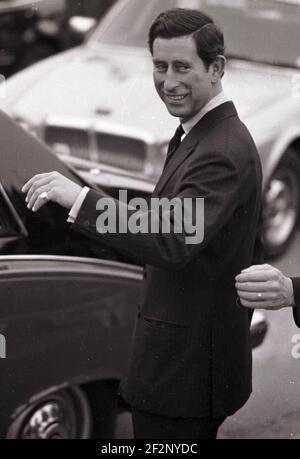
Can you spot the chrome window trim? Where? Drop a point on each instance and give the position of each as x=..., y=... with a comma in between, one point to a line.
x=108, y=267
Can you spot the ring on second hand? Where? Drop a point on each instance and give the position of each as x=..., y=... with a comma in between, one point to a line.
x=259, y=295
x=44, y=195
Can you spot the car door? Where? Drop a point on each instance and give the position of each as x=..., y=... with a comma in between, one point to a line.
x=68, y=305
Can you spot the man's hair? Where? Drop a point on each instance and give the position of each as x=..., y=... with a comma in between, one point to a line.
x=179, y=22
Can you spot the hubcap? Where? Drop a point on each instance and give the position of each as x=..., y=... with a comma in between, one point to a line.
x=50, y=421
x=281, y=202
x=62, y=415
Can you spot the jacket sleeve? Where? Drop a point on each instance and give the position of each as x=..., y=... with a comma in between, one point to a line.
x=296, y=309
x=214, y=178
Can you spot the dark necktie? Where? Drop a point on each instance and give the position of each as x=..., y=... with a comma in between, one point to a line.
x=174, y=143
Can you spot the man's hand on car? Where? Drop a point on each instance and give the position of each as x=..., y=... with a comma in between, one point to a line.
x=51, y=186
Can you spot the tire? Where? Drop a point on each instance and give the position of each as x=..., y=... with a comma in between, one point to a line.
x=282, y=204
x=62, y=415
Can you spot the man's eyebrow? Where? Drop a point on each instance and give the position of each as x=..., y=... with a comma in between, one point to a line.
x=158, y=61
x=182, y=62
x=176, y=62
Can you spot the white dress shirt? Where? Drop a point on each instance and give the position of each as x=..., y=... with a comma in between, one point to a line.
x=219, y=99
x=77, y=204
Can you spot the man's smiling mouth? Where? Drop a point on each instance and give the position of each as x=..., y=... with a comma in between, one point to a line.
x=175, y=98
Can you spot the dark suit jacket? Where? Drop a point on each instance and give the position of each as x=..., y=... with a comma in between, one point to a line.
x=191, y=353
x=296, y=309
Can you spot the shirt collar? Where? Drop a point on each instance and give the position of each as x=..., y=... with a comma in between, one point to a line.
x=219, y=99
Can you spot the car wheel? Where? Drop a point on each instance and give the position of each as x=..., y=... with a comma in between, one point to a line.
x=281, y=203
x=61, y=415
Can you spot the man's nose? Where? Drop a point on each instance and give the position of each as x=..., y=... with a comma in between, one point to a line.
x=170, y=82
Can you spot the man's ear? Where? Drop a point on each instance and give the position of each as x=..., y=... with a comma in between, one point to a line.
x=218, y=68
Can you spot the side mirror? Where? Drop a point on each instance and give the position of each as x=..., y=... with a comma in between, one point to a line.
x=258, y=330
x=81, y=25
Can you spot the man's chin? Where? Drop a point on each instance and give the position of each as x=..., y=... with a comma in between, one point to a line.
x=176, y=112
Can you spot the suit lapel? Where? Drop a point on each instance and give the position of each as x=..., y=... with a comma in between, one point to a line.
x=180, y=155
x=187, y=146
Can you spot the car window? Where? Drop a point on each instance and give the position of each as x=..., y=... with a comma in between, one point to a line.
x=267, y=31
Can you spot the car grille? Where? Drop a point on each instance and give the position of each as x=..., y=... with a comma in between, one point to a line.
x=114, y=150
x=68, y=141
x=121, y=151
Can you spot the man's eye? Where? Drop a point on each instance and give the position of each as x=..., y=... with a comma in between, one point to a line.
x=160, y=68
x=183, y=68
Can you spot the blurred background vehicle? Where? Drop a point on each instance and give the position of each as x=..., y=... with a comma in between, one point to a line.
x=32, y=31
x=96, y=102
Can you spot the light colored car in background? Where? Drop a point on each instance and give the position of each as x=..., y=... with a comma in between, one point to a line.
x=96, y=103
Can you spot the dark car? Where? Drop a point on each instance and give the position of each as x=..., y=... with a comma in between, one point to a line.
x=29, y=32
x=68, y=304
x=32, y=31
x=67, y=309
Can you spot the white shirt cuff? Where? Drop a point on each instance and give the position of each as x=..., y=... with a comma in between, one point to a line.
x=77, y=205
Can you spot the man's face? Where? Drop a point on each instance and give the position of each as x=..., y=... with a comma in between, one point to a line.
x=180, y=76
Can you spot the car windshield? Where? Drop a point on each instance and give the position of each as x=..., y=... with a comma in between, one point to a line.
x=258, y=30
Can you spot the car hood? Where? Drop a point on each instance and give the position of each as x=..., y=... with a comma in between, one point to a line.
x=114, y=85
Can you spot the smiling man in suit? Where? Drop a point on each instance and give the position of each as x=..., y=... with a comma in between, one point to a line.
x=190, y=365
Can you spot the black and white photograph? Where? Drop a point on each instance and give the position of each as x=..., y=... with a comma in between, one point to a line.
x=150, y=221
